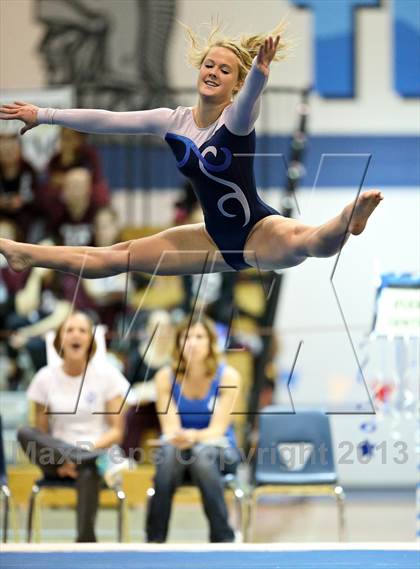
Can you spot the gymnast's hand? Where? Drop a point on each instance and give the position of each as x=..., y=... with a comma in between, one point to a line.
x=20, y=111
x=266, y=54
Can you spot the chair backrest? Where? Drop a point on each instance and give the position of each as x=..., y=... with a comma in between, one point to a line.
x=100, y=354
x=293, y=444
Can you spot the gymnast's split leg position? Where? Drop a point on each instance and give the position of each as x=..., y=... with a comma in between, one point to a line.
x=213, y=144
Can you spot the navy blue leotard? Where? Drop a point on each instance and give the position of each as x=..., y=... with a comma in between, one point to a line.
x=218, y=159
x=224, y=183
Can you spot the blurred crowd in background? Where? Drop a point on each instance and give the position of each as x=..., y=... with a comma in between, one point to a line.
x=69, y=203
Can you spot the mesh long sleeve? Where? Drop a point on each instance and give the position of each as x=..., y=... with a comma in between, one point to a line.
x=155, y=121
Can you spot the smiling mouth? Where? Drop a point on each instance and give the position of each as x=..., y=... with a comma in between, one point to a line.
x=211, y=83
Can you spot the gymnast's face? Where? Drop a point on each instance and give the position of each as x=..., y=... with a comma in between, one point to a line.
x=197, y=343
x=218, y=76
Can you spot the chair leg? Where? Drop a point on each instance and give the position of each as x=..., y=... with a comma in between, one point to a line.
x=238, y=499
x=249, y=522
x=340, y=498
x=245, y=519
x=6, y=500
x=122, y=515
x=125, y=521
x=14, y=522
x=239, y=509
x=31, y=511
x=244, y=506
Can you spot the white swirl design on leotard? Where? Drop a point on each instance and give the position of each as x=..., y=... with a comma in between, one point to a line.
x=237, y=193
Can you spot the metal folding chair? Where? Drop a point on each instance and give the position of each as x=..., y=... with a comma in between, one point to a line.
x=63, y=483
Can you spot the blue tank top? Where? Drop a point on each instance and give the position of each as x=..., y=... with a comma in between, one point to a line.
x=197, y=413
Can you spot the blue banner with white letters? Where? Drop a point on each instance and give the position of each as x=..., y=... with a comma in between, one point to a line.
x=335, y=38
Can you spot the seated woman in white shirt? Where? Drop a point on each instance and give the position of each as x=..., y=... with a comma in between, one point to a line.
x=78, y=418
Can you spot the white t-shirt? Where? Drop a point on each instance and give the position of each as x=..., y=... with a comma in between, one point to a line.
x=76, y=408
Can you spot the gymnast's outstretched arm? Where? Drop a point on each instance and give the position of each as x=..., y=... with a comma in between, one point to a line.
x=153, y=121
x=242, y=114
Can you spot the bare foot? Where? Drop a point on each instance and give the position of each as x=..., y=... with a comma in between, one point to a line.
x=15, y=255
x=364, y=207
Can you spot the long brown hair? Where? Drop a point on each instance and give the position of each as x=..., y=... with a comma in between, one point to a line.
x=179, y=363
x=57, y=340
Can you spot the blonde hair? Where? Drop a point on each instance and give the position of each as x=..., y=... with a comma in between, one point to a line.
x=245, y=47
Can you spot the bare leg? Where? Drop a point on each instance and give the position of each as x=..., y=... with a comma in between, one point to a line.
x=278, y=242
x=327, y=239
x=90, y=261
x=180, y=250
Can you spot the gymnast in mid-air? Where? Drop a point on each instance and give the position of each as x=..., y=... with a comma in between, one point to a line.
x=213, y=144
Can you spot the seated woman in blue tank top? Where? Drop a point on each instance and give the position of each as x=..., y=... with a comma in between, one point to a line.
x=195, y=398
